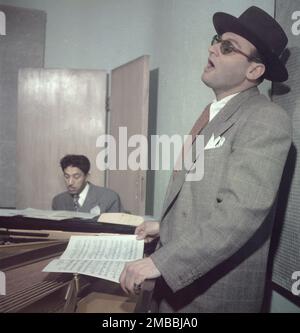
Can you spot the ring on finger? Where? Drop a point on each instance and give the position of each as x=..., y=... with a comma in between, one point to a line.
x=137, y=287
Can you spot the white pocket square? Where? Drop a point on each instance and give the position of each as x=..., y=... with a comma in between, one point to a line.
x=214, y=142
x=96, y=210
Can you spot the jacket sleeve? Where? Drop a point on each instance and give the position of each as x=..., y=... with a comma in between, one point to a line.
x=54, y=204
x=115, y=205
x=246, y=195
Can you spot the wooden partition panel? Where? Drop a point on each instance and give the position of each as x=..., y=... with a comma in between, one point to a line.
x=129, y=108
x=22, y=46
x=59, y=112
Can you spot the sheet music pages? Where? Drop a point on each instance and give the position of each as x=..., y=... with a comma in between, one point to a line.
x=56, y=215
x=121, y=218
x=10, y=212
x=99, y=256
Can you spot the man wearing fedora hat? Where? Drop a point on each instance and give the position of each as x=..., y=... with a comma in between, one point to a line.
x=214, y=233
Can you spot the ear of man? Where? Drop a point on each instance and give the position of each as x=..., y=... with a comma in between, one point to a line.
x=255, y=71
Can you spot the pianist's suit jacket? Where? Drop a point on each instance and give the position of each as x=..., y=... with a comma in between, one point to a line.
x=104, y=198
x=214, y=233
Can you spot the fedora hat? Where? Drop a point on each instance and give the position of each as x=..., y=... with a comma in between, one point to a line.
x=260, y=29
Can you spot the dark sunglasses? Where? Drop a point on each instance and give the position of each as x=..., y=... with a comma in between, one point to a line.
x=227, y=47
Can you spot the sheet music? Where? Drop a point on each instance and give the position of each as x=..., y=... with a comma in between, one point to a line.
x=118, y=247
x=98, y=256
x=104, y=269
x=56, y=215
x=121, y=218
x=10, y=212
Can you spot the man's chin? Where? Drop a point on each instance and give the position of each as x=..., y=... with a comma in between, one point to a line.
x=205, y=80
x=72, y=192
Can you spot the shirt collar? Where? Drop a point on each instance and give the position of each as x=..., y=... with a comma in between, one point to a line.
x=216, y=106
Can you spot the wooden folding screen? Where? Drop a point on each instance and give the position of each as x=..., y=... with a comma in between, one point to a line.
x=59, y=112
x=129, y=109
x=22, y=46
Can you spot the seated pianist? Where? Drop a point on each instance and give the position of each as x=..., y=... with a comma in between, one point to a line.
x=82, y=195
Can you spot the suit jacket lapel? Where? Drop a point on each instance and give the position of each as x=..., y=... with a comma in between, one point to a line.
x=69, y=203
x=173, y=189
x=218, y=126
x=227, y=116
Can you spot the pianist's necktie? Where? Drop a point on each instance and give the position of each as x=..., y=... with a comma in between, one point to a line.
x=201, y=122
x=75, y=201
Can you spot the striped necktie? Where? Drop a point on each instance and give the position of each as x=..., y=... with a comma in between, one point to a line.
x=76, y=202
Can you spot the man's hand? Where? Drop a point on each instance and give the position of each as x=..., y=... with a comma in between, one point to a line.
x=136, y=272
x=148, y=231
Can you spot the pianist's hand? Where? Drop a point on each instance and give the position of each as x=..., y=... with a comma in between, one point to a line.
x=136, y=272
x=148, y=231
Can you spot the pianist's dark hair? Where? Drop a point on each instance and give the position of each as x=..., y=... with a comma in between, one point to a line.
x=79, y=161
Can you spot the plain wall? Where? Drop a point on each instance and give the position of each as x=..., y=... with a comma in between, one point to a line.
x=103, y=34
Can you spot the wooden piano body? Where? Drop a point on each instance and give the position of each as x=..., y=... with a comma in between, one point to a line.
x=27, y=245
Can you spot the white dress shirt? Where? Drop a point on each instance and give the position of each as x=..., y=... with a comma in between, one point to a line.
x=216, y=106
x=83, y=194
